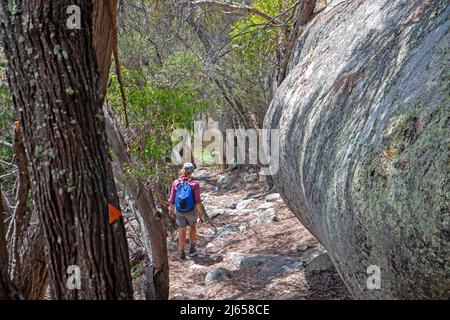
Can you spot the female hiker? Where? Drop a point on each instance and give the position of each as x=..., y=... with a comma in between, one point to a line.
x=186, y=205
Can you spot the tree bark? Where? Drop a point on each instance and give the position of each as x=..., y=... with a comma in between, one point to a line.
x=31, y=273
x=8, y=291
x=103, y=38
x=52, y=74
x=303, y=14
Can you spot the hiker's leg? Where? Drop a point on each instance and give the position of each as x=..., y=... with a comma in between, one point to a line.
x=182, y=238
x=193, y=234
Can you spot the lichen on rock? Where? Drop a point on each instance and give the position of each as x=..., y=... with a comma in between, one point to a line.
x=363, y=120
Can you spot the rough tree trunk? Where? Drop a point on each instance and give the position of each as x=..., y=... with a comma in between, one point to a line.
x=53, y=79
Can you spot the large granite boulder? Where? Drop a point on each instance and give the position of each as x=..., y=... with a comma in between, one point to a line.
x=364, y=137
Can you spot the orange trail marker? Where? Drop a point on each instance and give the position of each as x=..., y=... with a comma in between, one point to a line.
x=114, y=213
x=390, y=153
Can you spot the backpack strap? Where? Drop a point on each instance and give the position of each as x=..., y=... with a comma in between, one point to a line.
x=180, y=181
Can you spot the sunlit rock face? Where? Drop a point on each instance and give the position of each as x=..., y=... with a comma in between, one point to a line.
x=364, y=137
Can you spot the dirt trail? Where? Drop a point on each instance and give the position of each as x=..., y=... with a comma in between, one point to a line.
x=264, y=249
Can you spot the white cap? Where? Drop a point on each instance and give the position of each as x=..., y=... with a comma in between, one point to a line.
x=189, y=167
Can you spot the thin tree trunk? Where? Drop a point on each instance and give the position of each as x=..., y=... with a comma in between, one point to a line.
x=303, y=14
x=103, y=38
x=28, y=267
x=20, y=219
x=8, y=291
x=145, y=204
x=24, y=183
x=54, y=83
x=3, y=249
x=142, y=197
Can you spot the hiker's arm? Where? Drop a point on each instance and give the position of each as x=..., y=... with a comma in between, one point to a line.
x=199, y=207
x=171, y=210
x=172, y=201
x=198, y=201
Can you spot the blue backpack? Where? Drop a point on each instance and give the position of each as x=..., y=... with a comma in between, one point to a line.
x=184, y=199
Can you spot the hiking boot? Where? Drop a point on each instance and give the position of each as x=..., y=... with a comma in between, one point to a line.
x=192, y=250
x=182, y=255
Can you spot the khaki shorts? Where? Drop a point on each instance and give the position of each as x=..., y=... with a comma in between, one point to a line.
x=185, y=219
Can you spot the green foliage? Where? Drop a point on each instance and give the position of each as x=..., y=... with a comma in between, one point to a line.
x=178, y=70
x=136, y=270
x=158, y=106
x=136, y=48
x=254, y=37
x=178, y=64
x=254, y=56
x=7, y=117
